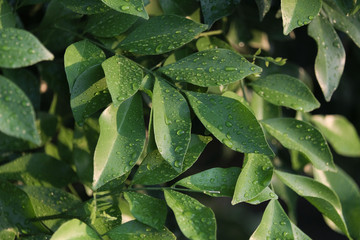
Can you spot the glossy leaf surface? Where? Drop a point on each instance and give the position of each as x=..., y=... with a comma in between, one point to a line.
x=211, y=68
x=75, y=229
x=301, y=136
x=133, y=7
x=264, y=195
x=216, y=9
x=85, y=6
x=7, y=18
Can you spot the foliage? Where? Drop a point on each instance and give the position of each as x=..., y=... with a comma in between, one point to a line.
x=106, y=107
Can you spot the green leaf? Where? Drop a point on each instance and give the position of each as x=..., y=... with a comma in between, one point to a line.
x=253, y=179
x=38, y=169
x=319, y=195
x=172, y=123
x=80, y=56
x=264, y=195
x=7, y=17
x=123, y=78
x=298, y=13
x=89, y=93
x=85, y=6
x=13, y=56
x=207, y=43
x=264, y=7
x=195, y=220
x=349, y=195
x=134, y=230
x=109, y=24
x=214, y=10
x=301, y=136
x=121, y=141
x=276, y=225
x=283, y=90
x=181, y=8
x=133, y=7
x=263, y=109
x=345, y=5
x=230, y=121
x=211, y=68
x=146, y=209
x=330, y=59
x=75, y=229
x=340, y=133
x=150, y=39
x=17, y=116
x=155, y=170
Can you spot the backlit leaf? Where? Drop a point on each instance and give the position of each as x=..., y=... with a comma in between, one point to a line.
x=7, y=17
x=133, y=7
x=85, y=6
x=75, y=229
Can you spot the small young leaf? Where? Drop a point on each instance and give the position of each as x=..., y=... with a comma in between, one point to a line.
x=301, y=136
x=340, y=133
x=216, y=9
x=276, y=225
x=195, y=220
x=283, y=90
x=155, y=170
x=150, y=39
x=135, y=230
x=109, y=24
x=216, y=182
x=172, y=123
x=265, y=195
x=230, y=121
x=211, y=68
x=330, y=59
x=133, y=7
x=7, y=17
x=80, y=56
x=253, y=179
x=319, y=195
x=17, y=116
x=264, y=7
x=13, y=56
x=75, y=229
x=85, y=6
x=89, y=93
x=121, y=141
x=148, y=210
x=123, y=78
x=298, y=13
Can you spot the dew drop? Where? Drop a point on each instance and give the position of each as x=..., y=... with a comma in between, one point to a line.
x=227, y=142
x=125, y=8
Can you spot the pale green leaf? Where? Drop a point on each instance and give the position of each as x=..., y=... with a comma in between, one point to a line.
x=7, y=17
x=264, y=7
x=207, y=43
x=214, y=10
x=263, y=109
x=73, y=230
x=301, y=136
x=195, y=220
x=133, y=7
x=13, y=56
x=211, y=68
x=330, y=59
x=85, y=6
x=264, y=195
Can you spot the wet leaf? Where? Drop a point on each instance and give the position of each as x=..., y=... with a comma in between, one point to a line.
x=275, y=224
x=211, y=68
x=263, y=109
x=216, y=182
x=85, y=6
x=123, y=78
x=17, y=116
x=146, y=209
x=150, y=39
x=330, y=59
x=75, y=229
x=283, y=90
x=230, y=121
x=253, y=179
x=172, y=123
x=298, y=13
x=265, y=195
x=7, y=17
x=121, y=141
x=301, y=136
x=155, y=170
x=133, y=7
x=207, y=43
x=214, y=10
x=195, y=220
x=181, y=8
x=264, y=7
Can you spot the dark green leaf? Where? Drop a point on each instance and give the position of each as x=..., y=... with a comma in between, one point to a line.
x=195, y=220
x=85, y=6
x=148, y=210
x=217, y=182
x=123, y=78
x=345, y=5
x=301, y=136
x=319, y=195
x=121, y=141
x=79, y=57
x=298, y=13
x=264, y=195
x=276, y=225
x=230, y=121
x=283, y=90
x=17, y=116
x=207, y=43
x=150, y=39
x=263, y=109
x=181, y=8
x=133, y=7
x=172, y=123
x=7, y=17
x=75, y=229
x=211, y=68
x=216, y=9
x=264, y=7
x=134, y=230
x=253, y=179
x=330, y=59
x=155, y=170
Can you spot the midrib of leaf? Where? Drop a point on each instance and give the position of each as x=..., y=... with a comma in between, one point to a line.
x=319, y=44
x=290, y=96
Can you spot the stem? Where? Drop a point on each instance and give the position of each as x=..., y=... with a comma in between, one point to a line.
x=243, y=88
x=211, y=33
